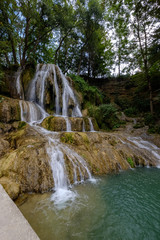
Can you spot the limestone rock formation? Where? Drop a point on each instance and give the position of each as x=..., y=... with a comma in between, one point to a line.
x=54, y=123
x=58, y=124
x=25, y=165
x=9, y=110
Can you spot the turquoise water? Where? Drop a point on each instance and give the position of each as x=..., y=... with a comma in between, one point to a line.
x=124, y=206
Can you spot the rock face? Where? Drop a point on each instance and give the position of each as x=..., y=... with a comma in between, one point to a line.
x=9, y=110
x=107, y=152
x=52, y=123
x=25, y=165
x=58, y=124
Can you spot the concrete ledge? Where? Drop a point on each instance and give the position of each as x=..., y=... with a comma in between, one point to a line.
x=13, y=225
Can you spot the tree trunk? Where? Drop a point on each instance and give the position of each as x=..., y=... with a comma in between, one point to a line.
x=57, y=50
x=10, y=36
x=23, y=61
x=150, y=97
x=7, y=59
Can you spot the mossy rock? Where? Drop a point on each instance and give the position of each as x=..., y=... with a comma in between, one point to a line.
x=87, y=125
x=68, y=138
x=9, y=110
x=76, y=124
x=52, y=123
x=27, y=76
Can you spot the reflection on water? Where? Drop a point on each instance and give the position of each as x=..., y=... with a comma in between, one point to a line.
x=124, y=206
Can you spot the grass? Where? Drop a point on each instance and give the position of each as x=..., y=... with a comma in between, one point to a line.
x=130, y=161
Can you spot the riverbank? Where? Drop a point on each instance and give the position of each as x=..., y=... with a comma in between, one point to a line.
x=13, y=225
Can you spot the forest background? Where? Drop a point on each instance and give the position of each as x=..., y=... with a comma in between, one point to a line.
x=91, y=40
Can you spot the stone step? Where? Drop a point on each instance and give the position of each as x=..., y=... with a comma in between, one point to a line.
x=78, y=124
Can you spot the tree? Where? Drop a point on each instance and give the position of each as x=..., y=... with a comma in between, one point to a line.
x=144, y=26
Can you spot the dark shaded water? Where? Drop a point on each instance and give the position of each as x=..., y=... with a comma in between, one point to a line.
x=125, y=206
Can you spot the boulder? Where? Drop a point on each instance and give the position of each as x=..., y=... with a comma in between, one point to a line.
x=11, y=187
x=56, y=124
x=26, y=167
x=76, y=124
x=9, y=110
x=25, y=163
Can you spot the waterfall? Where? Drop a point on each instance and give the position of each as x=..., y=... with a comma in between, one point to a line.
x=68, y=124
x=83, y=128
x=36, y=90
x=33, y=112
x=19, y=85
x=57, y=91
x=68, y=94
x=91, y=125
x=149, y=147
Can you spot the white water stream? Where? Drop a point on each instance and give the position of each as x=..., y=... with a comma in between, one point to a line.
x=150, y=148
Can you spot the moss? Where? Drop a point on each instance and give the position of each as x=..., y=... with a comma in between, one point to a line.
x=84, y=137
x=48, y=123
x=27, y=75
x=68, y=138
x=131, y=162
x=21, y=124
x=18, y=110
x=86, y=122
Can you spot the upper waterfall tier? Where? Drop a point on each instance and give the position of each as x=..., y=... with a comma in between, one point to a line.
x=51, y=90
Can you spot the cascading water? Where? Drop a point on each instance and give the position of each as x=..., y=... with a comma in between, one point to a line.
x=91, y=125
x=33, y=112
x=19, y=85
x=150, y=148
x=63, y=93
x=57, y=91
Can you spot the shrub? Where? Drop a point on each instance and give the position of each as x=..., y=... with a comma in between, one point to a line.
x=149, y=119
x=131, y=112
x=90, y=93
x=154, y=129
x=105, y=116
x=141, y=103
x=123, y=102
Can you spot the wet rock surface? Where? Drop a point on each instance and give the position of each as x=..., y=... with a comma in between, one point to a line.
x=25, y=165
x=9, y=110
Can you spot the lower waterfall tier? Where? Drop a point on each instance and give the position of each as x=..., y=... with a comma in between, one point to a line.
x=60, y=124
x=25, y=164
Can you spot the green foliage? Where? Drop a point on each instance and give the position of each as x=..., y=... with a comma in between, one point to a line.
x=154, y=129
x=131, y=112
x=90, y=94
x=21, y=124
x=68, y=138
x=1, y=78
x=123, y=102
x=105, y=116
x=149, y=119
x=131, y=162
x=152, y=121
